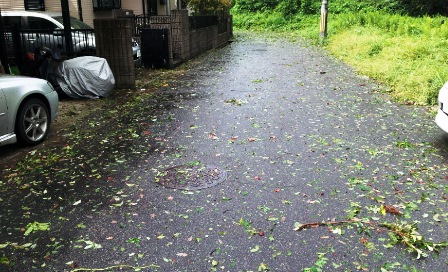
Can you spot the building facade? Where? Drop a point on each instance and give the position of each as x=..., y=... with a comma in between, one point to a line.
x=87, y=10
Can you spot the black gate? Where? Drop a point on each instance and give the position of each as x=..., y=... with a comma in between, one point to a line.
x=154, y=48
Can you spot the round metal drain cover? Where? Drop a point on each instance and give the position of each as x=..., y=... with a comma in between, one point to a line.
x=186, y=177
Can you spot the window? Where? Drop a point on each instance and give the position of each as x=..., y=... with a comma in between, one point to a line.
x=106, y=4
x=37, y=23
x=10, y=21
x=34, y=4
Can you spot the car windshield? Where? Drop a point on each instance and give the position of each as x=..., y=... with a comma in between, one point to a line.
x=75, y=23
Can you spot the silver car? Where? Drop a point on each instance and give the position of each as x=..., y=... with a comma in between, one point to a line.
x=27, y=108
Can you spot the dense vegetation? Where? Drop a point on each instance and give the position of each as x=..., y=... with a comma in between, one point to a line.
x=401, y=43
x=208, y=6
x=408, y=7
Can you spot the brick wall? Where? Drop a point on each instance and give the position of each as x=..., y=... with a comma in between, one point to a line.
x=113, y=42
x=202, y=40
x=184, y=43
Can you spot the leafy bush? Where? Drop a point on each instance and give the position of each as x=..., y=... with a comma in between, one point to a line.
x=209, y=7
x=260, y=21
x=255, y=5
x=288, y=7
x=309, y=7
x=404, y=7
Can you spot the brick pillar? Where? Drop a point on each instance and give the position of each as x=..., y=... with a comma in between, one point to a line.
x=113, y=42
x=180, y=35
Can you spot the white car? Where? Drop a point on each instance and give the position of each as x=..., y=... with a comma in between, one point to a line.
x=27, y=108
x=442, y=112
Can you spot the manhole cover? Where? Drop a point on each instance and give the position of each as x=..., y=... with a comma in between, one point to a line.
x=186, y=177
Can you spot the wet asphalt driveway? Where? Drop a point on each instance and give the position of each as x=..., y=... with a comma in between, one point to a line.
x=302, y=140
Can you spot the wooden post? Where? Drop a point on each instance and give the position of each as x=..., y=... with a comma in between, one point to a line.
x=323, y=18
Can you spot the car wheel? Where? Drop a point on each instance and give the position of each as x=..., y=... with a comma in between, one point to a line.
x=33, y=122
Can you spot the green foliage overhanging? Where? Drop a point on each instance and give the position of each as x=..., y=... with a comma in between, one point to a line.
x=207, y=7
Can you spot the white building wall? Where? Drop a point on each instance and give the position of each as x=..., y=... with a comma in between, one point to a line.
x=164, y=9
x=87, y=11
x=12, y=5
x=55, y=6
x=135, y=6
x=87, y=8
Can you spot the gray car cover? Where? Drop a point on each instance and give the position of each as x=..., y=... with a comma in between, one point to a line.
x=85, y=77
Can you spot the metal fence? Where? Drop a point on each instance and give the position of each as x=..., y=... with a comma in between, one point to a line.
x=140, y=22
x=19, y=42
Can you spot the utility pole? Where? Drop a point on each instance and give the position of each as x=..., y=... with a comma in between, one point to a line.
x=323, y=18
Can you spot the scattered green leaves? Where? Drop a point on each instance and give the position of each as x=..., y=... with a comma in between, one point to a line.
x=234, y=101
x=319, y=264
x=36, y=226
x=403, y=144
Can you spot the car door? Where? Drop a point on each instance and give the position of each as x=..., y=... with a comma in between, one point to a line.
x=3, y=114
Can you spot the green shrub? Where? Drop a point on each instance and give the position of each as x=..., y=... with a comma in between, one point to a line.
x=404, y=7
x=255, y=5
x=288, y=7
x=309, y=7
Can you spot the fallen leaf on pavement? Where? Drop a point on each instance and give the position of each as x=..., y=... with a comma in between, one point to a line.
x=392, y=210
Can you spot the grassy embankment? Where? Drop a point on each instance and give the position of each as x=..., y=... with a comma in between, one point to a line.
x=407, y=54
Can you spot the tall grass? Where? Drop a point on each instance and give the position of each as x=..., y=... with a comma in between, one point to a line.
x=408, y=54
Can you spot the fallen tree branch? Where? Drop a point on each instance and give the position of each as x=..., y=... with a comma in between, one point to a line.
x=405, y=233
x=327, y=223
x=135, y=268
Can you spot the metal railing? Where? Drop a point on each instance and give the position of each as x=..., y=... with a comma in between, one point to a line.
x=139, y=22
x=195, y=22
x=29, y=40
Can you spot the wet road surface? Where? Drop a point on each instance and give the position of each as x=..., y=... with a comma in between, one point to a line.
x=301, y=138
